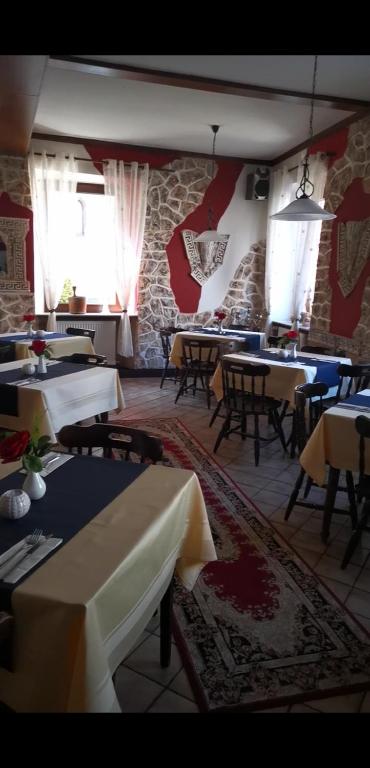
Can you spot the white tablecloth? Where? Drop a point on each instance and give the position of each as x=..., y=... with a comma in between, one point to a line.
x=176, y=351
x=57, y=347
x=334, y=441
x=65, y=399
x=283, y=378
x=80, y=613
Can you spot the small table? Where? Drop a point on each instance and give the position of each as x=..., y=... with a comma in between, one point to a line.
x=80, y=612
x=59, y=344
x=257, y=340
x=80, y=393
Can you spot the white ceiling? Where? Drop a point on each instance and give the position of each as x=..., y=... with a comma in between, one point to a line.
x=94, y=106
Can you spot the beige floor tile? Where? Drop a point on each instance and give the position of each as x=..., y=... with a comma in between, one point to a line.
x=350, y=703
x=145, y=660
x=135, y=692
x=359, y=602
x=172, y=702
x=340, y=590
x=330, y=567
x=180, y=684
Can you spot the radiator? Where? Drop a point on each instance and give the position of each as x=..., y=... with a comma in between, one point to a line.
x=105, y=335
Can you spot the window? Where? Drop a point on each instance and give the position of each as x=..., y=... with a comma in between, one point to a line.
x=88, y=258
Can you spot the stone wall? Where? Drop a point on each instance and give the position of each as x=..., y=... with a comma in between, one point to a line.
x=171, y=198
x=355, y=163
x=14, y=180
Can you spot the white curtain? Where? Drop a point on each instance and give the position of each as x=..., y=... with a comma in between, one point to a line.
x=128, y=185
x=292, y=247
x=49, y=176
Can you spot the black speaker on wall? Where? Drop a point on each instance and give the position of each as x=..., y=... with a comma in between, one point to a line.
x=258, y=184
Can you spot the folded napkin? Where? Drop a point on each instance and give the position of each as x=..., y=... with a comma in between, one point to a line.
x=29, y=562
x=353, y=407
x=52, y=461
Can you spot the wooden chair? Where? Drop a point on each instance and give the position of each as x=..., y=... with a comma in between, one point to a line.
x=352, y=379
x=244, y=395
x=199, y=362
x=273, y=341
x=165, y=336
x=111, y=437
x=84, y=358
x=362, y=424
x=304, y=396
x=235, y=347
x=7, y=353
x=81, y=332
x=318, y=350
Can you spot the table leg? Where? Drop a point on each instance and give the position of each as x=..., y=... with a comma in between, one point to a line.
x=331, y=493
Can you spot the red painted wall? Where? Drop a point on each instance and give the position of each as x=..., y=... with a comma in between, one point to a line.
x=217, y=197
x=15, y=211
x=346, y=312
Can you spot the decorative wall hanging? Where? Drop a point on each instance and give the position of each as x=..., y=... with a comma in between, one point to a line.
x=352, y=253
x=204, y=258
x=13, y=254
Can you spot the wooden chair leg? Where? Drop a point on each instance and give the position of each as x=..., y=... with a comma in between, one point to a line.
x=166, y=626
x=164, y=374
x=216, y=412
x=256, y=441
x=352, y=498
x=294, y=495
x=223, y=431
x=309, y=483
x=331, y=493
x=356, y=535
x=279, y=430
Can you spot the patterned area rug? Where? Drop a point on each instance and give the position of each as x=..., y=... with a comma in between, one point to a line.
x=259, y=629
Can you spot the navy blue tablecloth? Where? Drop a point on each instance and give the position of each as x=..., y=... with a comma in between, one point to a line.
x=253, y=339
x=75, y=493
x=363, y=400
x=53, y=372
x=327, y=370
x=25, y=337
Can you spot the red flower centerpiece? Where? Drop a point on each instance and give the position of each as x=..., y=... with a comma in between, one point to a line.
x=22, y=445
x=288, y=338
x=29, y=318
x=220, y=316
x=40, y=349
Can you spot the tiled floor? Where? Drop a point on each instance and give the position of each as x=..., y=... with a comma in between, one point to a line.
x=141, y=684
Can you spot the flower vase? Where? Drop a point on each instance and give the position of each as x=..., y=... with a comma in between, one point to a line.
x=34, y=485
x=41, y=365
x=29, y=330
x=292, y=349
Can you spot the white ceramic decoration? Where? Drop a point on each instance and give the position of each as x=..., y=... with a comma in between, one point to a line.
x=34, y=485
x=40, y=334
x=41, y=365
x=28, y=369
x=14, y=503
x=283, y=353
x=292, y=349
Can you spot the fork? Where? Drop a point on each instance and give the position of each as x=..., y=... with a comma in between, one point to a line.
x=32, y=542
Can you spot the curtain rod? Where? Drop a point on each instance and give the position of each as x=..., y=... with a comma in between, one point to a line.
x=100, y=162
x=327, y=154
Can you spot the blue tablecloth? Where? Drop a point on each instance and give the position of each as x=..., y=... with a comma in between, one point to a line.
x=327, y=370
x=25, y=337
x=53, y=372
x=75, y=493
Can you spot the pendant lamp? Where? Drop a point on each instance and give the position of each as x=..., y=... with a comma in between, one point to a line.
x=211, y=235
x=303, y=208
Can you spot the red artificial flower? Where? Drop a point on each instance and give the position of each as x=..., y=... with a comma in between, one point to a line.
x=220, y=315
x=291, y=334
x=38, y=346
x=28, y=318
x=14, y=446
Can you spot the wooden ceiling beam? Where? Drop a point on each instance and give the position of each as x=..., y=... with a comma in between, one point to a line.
x=194, y=82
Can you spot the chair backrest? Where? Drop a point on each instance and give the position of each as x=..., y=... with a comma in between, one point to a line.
x=236, y=327
x=84, y=359
x=200, y=353
x=235, y=346
x=315, y=350
x=165, y=336
x=358, y=378
x=308, y=394
x=7, y=353
x=81, y=332
x=109, y=437
x=273, y=341
x=244, y=385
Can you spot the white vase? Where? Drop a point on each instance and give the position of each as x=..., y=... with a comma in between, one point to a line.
x=14, y=503
x=41, y=365
x=292, y=349
x=34, y=485
x=283, y=352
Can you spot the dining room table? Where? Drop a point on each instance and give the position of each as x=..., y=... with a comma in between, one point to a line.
x=65, y=394
x=113, y=534
x=286, y=373
x=334, y=447
x=58, y=344
x=254, y=339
